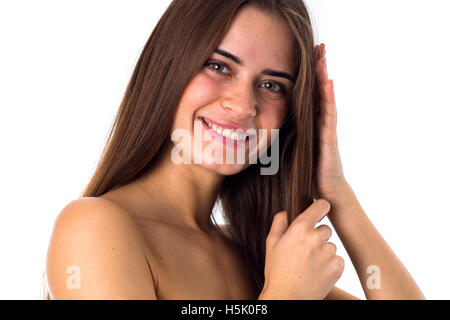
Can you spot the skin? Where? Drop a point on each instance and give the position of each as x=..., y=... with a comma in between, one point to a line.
x=186, y=193
x=150, y=239
x=170, y=206
x=180, y=198
x=312, y=262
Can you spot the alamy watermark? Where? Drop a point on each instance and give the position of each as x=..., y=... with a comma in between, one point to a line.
x=74, y=280
x=235, y=143
x=374, y=280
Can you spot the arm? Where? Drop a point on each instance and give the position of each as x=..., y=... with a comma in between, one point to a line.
x=366, y=247
x=339, y=294
x=96, y=252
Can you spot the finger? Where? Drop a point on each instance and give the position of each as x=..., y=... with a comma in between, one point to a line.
x=313, y=214
x=336, y=266
x=326, y=90
x=328, y=105
x=326, y=83
x=321, y=67
x=317, y=53
x=328, y=252
x=327, y=96
x=331, y=247
x=322, y=72
x=278, y=228
x=324, y=232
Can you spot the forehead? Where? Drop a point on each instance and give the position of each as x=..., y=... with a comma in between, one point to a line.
x=261, y=39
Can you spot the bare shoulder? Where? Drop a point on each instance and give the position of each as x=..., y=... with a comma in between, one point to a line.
x=95, y=210
x=97, y=252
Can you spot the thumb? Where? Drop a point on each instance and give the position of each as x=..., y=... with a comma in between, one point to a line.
x=279, y=227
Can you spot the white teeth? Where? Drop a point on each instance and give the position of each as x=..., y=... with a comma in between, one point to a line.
x=229, y=133
x=234, y=136
x=217, y=128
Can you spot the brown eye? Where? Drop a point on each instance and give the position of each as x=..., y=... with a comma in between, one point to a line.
x=281, y=88
x=216, y=66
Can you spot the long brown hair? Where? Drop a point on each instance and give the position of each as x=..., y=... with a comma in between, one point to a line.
x=177, y=49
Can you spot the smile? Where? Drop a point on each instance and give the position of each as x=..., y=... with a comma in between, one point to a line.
x=237, y=136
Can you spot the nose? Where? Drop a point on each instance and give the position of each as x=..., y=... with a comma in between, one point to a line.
x=240, y=103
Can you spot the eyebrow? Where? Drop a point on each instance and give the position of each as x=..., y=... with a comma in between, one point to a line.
x=268, y=72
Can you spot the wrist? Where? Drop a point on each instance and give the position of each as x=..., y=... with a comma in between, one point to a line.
x=340, y=193
x=343, y=203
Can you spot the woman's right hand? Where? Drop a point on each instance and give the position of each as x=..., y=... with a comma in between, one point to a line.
x=300, y=263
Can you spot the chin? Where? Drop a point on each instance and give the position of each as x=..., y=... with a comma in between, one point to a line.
x=226, y=169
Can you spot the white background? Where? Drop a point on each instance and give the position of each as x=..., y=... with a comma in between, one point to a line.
x=64, y=67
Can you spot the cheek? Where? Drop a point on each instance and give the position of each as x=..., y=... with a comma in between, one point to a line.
x=199, y=92
x=272, y=117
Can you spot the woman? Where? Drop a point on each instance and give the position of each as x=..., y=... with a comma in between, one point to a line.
x=223, y=71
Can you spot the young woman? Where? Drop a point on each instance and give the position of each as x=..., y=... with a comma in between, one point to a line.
x=222, y=71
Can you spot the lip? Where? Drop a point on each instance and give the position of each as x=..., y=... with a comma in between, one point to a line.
x=226, y=125
x=221, y=138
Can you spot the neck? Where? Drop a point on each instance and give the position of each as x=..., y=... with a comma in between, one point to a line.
x=184, y=194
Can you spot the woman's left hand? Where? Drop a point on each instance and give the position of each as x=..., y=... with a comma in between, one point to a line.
x=330, y=175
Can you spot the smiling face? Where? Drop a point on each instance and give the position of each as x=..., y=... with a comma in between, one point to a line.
x=245, y=84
